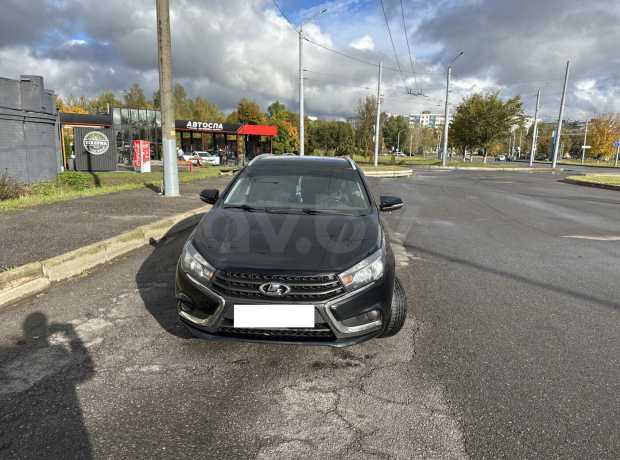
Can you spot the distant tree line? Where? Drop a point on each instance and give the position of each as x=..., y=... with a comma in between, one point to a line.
x=482, y=123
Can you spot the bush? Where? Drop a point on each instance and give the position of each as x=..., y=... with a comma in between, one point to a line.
x=345, y=149
x=11, y=188
x=76, y=180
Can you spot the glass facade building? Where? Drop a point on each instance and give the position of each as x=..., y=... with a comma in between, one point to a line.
x=136, y=124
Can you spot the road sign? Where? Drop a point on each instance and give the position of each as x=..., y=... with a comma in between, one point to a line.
x=617, y=143
x=586, y=146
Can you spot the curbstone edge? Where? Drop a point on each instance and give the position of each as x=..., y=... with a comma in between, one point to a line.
x=35, y=277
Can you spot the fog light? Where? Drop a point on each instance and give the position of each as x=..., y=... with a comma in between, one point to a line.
x=364, y=318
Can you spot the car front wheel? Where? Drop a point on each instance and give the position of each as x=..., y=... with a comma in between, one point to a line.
x=398, y=311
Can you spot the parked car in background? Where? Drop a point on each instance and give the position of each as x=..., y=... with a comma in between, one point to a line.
x=500, y=158
x=199, y=158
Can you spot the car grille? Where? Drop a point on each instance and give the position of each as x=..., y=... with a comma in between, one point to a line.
x=292, y=334
x=303, y=287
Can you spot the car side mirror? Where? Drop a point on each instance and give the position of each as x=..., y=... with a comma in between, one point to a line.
x=390, y=203
x=209, y=196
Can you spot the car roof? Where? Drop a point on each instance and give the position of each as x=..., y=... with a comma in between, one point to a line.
x=306, y=160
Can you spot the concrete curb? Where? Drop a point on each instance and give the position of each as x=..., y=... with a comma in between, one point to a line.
x=592, y=184
x=389, y=173
x=32, y=278
x=481, y=168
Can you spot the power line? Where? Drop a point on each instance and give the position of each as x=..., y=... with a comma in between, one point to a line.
x=402, y=10
x=348, y=56
x=330, y=83
x=387, y=25
x=283, y=14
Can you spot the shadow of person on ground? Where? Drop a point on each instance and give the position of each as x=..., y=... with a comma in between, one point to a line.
x=155, y=278
x=40, y=414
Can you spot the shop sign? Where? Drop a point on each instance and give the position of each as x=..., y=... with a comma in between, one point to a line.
x=207, y=126
x=96, y=143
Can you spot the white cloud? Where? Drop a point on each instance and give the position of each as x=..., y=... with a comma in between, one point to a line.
x=245, y=48
x=365, y=43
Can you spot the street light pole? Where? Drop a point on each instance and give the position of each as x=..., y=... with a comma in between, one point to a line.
x=378, y=120
x=585, y=144
x=301, y=91
x=168, y=134
x=301, y=82
x=556, y=144
x=535, y=131
x=444, y=155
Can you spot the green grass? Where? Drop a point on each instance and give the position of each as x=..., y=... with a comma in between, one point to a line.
x=370, y=167
x=71, y=185
x=597, y=163
x=489, y=164
x=603, y=179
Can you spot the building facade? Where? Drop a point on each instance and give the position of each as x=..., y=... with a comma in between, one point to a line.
x=427, y=119
x=29, y=150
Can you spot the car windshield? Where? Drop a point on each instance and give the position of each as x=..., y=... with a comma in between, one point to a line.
x=339, y=191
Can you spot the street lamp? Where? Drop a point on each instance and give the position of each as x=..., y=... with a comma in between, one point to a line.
x=444, y=156
x=301, y=81
x=398, y=140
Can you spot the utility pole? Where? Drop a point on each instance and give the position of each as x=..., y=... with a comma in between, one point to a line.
x=378, y=121
x=535, y=131
x=556, y=144
x=168, y=134
x=585, y=144
x=617, y=154
x=410, y=141
x=444, y=155
x=520, y=139
x=301, y=82
x=301, y=90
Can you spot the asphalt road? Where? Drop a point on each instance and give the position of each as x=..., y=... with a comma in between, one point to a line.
x=511, y=348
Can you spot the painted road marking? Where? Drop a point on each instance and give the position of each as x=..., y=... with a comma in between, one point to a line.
x=593, y=237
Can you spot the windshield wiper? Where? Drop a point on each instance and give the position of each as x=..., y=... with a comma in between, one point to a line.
x=245, y=207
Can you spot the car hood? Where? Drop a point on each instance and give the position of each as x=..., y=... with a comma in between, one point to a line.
x=234, y=239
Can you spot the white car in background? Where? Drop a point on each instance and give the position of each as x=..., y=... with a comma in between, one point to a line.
x=202, y=157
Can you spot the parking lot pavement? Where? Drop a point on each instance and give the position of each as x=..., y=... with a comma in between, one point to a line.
x=99, y=366
x=510, y=348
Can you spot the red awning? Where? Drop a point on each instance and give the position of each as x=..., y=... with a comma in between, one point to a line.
x=259, y=130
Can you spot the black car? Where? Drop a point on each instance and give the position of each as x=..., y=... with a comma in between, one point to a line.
x=293, y=250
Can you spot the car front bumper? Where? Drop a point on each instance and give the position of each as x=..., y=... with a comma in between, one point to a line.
x=209, y=314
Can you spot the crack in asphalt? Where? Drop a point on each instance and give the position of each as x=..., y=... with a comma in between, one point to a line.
x=365, y=401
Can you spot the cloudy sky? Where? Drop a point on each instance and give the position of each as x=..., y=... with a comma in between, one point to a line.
x=228, y=49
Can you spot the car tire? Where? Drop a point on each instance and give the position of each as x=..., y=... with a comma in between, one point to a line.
x=398, y=311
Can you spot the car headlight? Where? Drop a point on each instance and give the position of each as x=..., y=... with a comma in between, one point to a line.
x=195, y=265
x=368, y=270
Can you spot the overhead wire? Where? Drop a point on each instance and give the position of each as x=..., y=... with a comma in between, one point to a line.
x=387, y=25
x=284, y=15
x=402, y=11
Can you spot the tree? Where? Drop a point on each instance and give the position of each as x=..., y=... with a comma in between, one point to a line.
x=421, y=140
x=205, y=110
x=73, y=104
x=104, y=101
x=249, y=111
x=135, y=98
x=482, y=120
x=275, y=108
x=182, y=104
x=332, y=137
x=603, y=132
x=278, y=115
x=364, y=131
x=391, y=129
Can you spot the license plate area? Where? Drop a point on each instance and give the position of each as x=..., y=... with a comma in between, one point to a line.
x=273, y=316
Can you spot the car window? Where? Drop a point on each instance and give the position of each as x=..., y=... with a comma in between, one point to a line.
x=316, y=191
